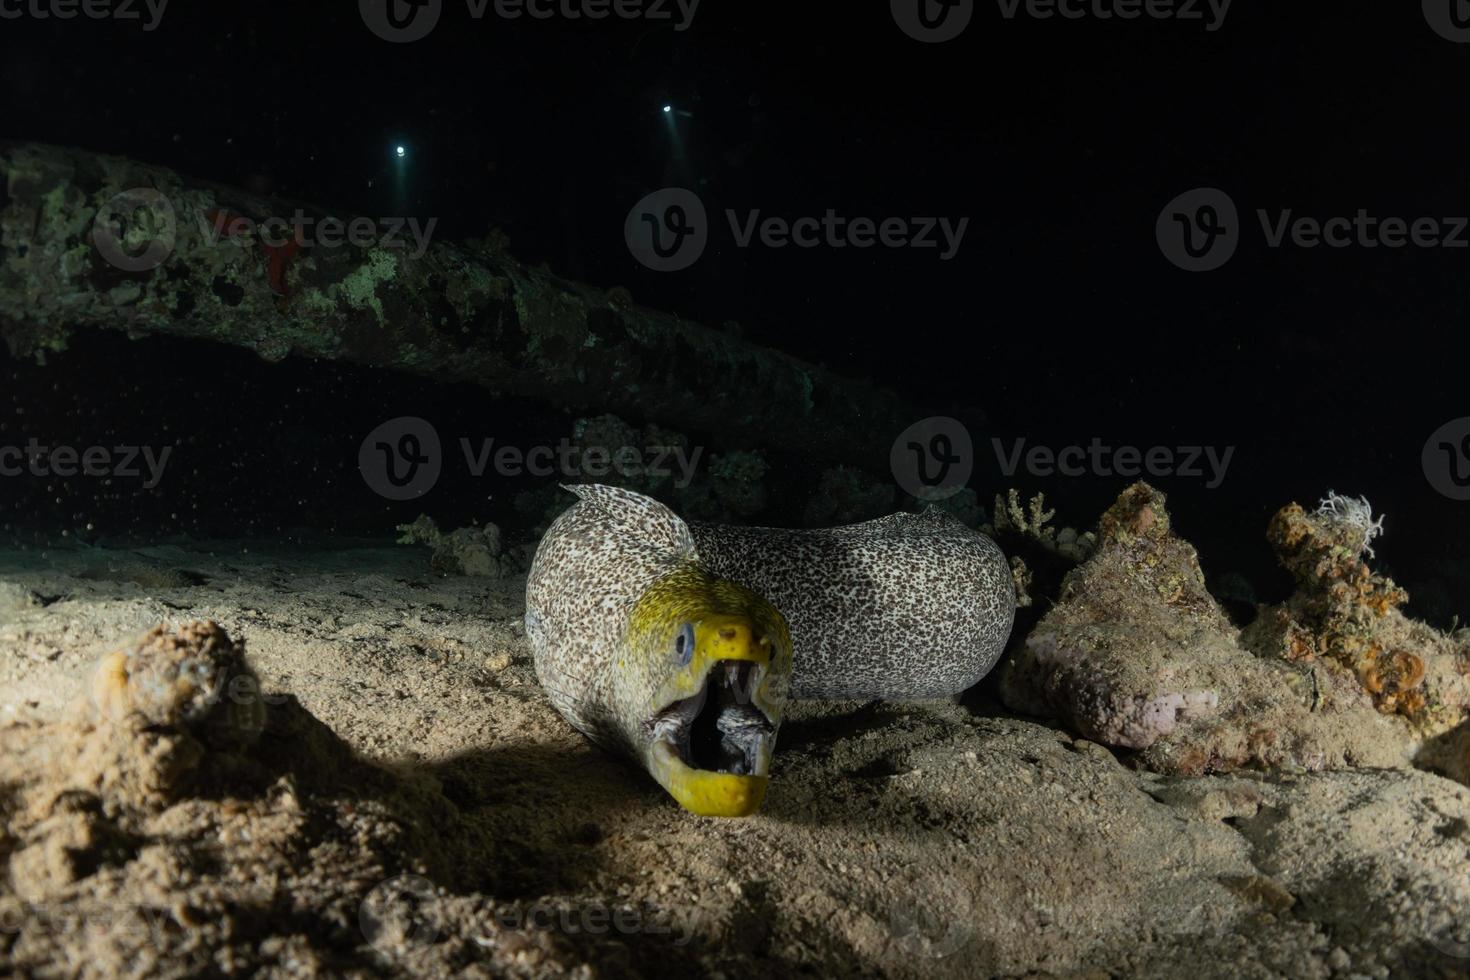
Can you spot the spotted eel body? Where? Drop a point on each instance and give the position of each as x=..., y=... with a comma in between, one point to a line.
x=677, y=644
x=903, y=607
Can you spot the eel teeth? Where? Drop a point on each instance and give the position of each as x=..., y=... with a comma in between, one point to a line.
x=720, y=729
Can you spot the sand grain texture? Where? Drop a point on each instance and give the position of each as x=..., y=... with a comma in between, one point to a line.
x=407, y=737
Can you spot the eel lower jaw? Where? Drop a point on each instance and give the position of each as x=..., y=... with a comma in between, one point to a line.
x=712, y=751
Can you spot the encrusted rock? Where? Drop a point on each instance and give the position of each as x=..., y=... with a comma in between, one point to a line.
x=1347, y=617
x=1136, y=653
x=464, y=551
x=193, y=680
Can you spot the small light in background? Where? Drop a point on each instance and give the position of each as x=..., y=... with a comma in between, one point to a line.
x=668, y=108
x=400, y=150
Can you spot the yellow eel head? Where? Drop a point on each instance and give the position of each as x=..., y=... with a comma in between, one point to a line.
x=706, y=670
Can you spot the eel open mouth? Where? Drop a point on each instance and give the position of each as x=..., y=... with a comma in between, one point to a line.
x=720, y=729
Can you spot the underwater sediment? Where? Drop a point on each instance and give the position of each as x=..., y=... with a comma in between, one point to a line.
x=389, y=791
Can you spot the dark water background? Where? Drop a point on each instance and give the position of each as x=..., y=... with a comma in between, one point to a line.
x=1059, y=320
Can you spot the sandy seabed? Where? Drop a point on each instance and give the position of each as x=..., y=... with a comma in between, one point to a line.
x=415, y=807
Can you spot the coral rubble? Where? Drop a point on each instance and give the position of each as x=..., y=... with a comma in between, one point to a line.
x=463, y=551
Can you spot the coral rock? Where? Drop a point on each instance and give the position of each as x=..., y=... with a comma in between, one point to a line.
x=464, y=551
x=192, y=680
x=1136, y=654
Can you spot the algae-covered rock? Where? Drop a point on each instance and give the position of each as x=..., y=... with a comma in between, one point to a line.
x=192, y=680
x=1137, y=654
x=1347, y=617
x=464, y=551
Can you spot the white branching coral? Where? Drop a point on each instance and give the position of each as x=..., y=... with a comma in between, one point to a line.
x=1034, y=522
x=1353, y=512
x=1031, y=522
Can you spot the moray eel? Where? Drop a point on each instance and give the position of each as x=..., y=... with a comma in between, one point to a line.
x=677, y=644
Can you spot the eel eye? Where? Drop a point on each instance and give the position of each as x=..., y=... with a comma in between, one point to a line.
x=684, y=645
